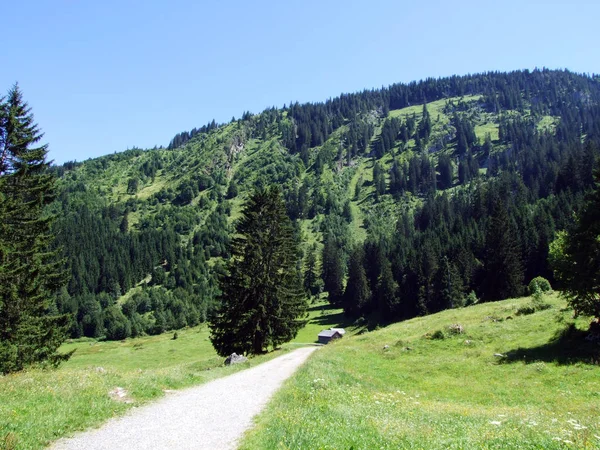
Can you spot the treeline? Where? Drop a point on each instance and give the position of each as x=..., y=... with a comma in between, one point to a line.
x=181, y=138
x=546, y=92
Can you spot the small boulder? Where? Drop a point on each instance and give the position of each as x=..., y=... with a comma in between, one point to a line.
x=385, y=347
x=457, y=328
x=120, y=394
x=234, y=358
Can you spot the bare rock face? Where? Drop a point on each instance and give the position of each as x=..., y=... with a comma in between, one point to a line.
x=234, y=358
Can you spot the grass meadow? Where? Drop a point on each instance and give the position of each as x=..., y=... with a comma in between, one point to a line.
x=38, y=406
x=507, y=382
x=429, y=388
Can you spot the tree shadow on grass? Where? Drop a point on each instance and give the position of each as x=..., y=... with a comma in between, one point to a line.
x=339, y=319
x=568, y=346
x=323, y=307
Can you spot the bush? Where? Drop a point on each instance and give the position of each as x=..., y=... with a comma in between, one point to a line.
x=436, y=335
x=537, y=301
x=543, y=285
x=471, y=299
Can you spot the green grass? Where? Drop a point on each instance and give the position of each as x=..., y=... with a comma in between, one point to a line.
x=450, y=393
x=434, y=108
x=482, y=130
x=322, y=316
x=39, y=406
x=548, y=123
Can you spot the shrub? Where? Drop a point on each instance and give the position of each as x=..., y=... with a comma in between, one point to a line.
x=543, y=285
x=537, y=302
x=471, y=299
x=436, y=335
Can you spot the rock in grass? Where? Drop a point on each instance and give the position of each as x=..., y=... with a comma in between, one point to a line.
x=234, y=358
x=119, y=394
x=457, y=328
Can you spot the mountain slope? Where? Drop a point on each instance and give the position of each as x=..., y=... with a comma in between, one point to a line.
x=416, y=174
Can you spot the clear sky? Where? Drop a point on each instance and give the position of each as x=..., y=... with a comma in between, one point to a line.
x=104, y=76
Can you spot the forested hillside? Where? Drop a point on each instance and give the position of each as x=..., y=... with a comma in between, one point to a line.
x=407, y=200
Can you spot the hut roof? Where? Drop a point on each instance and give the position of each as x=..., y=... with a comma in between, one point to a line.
x=328, y=333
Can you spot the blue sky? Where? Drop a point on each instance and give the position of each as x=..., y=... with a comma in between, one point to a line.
x=108, y=75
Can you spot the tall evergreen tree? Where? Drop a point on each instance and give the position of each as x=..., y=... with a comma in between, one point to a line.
x=262, y=303
x=30, y=272
x=333, y=270
x=503, y=265
x=446, y=171
x=311, y=276
x=357, y=294
x=386, y=293
x=378, y=179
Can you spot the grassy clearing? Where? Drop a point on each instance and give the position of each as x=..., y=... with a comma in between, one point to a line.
x=487, y=128
x=451, y=392
x=434, y=108
x=548, y=124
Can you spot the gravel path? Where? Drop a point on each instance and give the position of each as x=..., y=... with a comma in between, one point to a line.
x=211, y=416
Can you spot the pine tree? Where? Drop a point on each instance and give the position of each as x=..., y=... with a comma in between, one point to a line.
x=386, y=293
x=262, y=303
x=311, y=277
x=449, y=286
x=446, y=170
x=503, y=265
x=30, y=272
x=333, y=270
x=378, y=179
x=357, y=294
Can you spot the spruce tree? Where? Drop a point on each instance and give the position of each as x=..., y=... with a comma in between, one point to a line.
x=30, y=272
x=262, y=303
x=311, y=276
x=386, y=293
x=357, y=295
x=333, y=270
x=503, y=265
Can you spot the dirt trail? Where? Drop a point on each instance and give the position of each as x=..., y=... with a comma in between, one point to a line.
x=211, y=416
